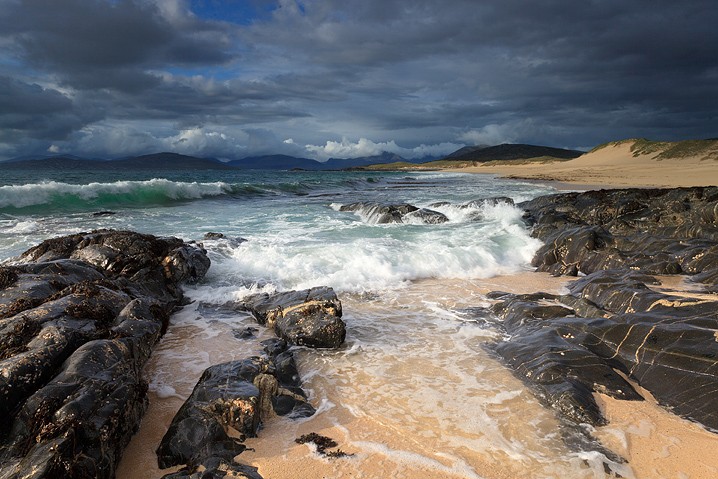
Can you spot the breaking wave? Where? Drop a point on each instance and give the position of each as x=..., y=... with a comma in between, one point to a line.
x=52, y=195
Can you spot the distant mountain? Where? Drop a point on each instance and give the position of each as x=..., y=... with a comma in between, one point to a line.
x=285, y=162
x=52, y=163
x=343, y=163
x=47, y=157
x=168, y=161
x=511, y=152
x=159, y=161
x=275, y=162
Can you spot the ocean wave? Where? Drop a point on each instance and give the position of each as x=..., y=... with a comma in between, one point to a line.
x=65, y=196
x=368, y=258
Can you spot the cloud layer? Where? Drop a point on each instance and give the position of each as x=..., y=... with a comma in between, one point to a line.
x=412, y=77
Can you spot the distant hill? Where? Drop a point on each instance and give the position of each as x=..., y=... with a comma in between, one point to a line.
x=275, y=162
x=52, y=163
x=465, y=151
x=344, y=163
x=509, y=151
x=168, y=161
x=160, y=161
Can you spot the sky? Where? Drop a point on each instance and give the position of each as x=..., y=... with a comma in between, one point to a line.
x=350, y=78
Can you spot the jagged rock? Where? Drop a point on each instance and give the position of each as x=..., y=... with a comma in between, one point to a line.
x=427, y=216
x=232, y=397
x=310, y=317
x=225, y=397
x=568, y=347
x=655, y=231
x=79, y=316
x=552, y=360
x=378, y=213
x=78, y=424
x=221, y=237
x=493, y=201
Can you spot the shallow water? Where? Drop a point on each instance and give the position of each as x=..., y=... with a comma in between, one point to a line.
x=414, y=392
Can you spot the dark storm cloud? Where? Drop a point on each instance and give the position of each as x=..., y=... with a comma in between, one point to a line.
x=29, y=110
x=99, y=44
x=329, y=72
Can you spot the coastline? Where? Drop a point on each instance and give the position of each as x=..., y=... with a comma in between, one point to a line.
x=615, y=166
x=412, y=353
x=655, y=442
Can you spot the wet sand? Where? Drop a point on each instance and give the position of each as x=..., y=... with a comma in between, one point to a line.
x=414, y=394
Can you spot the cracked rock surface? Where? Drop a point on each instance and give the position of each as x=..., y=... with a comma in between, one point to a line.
x=611, y=325
x=79, y=316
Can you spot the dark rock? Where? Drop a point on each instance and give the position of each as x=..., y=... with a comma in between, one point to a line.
x=232, y=397
x=568, y=347
x=245, y=333
x=103, y=213
x=493, y=201
x=655, y=231
x=223, y=241
x=310, y=317
x=544, y=351
x=225, y=397
x=378, y=213
x=212, y=236
x=79, y=316
x=216, y=468
x=616, y=323
x=8, y=277
x=427, y=216
x=78, y=424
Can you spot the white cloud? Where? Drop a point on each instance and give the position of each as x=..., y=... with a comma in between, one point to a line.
x=53, y=149
x=489, y=135
x=365, y=147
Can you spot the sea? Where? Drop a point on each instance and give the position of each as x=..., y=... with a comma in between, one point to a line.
x=415, y=391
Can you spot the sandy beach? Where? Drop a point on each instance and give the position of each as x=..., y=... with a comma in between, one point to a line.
x=416, y=428
x=614, y=165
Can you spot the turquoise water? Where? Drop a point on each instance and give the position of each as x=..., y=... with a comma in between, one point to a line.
x=297, y=237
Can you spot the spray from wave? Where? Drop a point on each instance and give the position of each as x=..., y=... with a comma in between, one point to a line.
x=53, y=195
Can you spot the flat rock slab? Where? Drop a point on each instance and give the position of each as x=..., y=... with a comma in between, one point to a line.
x=665, y=343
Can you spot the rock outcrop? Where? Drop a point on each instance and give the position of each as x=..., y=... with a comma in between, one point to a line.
x=612, y=326
x=310, y=317
x=79, y=316
x=655, y=231
x=380, y=213
x=228, y=405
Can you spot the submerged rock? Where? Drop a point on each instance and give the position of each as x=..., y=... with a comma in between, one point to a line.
x=79, y=316
x=379, y=213
x=310, y=317
x=427, y=216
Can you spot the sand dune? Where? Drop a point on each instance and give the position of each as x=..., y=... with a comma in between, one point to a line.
x=623, y=163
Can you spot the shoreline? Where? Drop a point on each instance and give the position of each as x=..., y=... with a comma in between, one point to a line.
x=617, y=165
x=652, y=439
